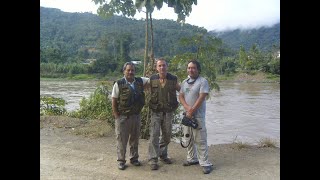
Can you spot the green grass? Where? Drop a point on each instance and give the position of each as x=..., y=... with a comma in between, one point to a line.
x=274, y=77
x=82, y=77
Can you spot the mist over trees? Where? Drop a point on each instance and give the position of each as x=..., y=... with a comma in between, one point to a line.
x=264, y=37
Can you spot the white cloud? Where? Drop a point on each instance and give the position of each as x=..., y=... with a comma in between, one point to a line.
x=210, y=14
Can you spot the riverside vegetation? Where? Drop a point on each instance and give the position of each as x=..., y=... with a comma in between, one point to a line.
x=95, y=112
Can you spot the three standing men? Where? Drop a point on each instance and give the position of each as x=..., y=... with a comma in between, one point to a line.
x=128, y=100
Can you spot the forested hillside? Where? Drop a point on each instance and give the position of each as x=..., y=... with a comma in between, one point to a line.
x=264, y=37
x=78, y=35
x=75, y=36
x=85, y=43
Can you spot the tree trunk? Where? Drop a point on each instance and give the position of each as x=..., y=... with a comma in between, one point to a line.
x=146, y=46
x=152, y=51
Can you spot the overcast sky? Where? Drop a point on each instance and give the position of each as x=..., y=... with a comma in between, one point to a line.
x=216, y=15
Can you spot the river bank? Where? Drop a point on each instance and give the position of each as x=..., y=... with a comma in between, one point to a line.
x=66, y=155
x=258, y=77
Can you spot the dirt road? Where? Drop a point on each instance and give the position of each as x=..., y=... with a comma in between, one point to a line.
x=67, y=156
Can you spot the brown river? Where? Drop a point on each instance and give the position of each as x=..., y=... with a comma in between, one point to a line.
x=245, y=112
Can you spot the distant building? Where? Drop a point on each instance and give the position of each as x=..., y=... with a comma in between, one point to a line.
x=136, y=62
x=89, y=61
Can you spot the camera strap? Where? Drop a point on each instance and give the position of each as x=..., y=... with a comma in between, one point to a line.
x=191, y=137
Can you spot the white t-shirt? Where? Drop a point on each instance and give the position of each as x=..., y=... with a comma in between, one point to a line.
x=115, y=89
x=192, y=92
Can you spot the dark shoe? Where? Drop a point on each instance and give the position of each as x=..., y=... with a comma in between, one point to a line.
x=166, y=160
x=154, y=166
x=121, y=166
x=135, y=163
x=207, y=169
x=188, y=163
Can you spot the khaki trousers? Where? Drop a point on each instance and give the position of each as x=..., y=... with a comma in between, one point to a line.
x=127, y=129
x=160, y=135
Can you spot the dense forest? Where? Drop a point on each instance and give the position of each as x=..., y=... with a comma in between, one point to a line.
x=84, y=43
x=78, y=35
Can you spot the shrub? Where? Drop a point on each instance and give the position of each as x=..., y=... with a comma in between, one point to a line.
x=97, y=106
x=52, y=106
x=267, y=142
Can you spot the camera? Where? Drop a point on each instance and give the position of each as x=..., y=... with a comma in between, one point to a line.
x=189, y=122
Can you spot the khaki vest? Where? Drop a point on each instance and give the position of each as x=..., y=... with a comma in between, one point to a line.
x=130, y=100
x=163, y=99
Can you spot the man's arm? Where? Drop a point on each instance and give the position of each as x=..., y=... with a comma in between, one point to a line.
x=115, y=95
x=183, y=102
x=115, y=110
x=191, y=109
x=146, y=83
x=178, y=87
x=197, y=104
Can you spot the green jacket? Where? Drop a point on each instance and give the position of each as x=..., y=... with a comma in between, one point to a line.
x=130, y=100
x=163, y=99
